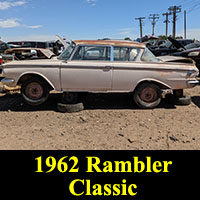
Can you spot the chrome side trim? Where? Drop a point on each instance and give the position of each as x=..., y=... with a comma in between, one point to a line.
x=95, y=66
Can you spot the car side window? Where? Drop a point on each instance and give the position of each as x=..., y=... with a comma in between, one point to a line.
x=134, y=52
x=92, y=53
x=121, y=54
x=125, y=54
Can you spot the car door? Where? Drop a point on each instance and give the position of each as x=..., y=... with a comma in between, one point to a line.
x=124, y=73
x=89, y=69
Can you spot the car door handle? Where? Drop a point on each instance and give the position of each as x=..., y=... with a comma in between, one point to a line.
x=107, y=68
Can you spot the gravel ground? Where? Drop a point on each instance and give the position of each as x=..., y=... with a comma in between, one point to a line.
x=109, y=122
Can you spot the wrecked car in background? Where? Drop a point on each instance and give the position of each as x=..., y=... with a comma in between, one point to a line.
x=55, y=46
x=101, y=66
x=170, y=46
x=175, y=48
x=3, y=46
x=30, y=53
x=193, y=53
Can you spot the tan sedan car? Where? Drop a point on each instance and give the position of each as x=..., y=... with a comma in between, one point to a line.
x=101, y=66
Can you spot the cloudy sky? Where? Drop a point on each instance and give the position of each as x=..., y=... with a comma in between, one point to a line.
x=90, y=19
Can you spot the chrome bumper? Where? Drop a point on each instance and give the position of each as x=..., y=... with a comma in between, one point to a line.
x=7, y=81
x=194, y=82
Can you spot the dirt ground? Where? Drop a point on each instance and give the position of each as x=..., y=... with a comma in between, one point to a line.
x=109, y=122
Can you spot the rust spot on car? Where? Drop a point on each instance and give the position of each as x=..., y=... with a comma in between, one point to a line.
x=165, y=73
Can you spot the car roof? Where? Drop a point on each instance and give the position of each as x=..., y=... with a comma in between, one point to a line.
x=27, y=41
x=124, y=43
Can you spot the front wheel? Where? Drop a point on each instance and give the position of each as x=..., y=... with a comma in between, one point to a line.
x=35, y=91
x=147, y=96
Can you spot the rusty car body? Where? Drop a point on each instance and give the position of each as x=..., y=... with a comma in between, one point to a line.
x=101, y=66
x=28, y=53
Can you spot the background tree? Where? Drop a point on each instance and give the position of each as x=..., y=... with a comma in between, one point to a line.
x=127, y=38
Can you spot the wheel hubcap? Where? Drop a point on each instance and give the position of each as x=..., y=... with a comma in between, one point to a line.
x=148, y=95
x=69, y=97
x=34, y=90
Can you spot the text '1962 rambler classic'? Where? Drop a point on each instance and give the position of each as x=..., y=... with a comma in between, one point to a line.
x=101, y=66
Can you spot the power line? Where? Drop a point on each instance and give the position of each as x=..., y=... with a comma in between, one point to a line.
x=194, y=7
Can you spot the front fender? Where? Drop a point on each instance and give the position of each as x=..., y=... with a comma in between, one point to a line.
x=38, y=74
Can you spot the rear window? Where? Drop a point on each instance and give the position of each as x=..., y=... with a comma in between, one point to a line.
x=148, y=56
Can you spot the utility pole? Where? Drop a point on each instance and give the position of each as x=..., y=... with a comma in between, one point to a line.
x=167, y=21
x=174, y=10
x=140, y=21
x=154, y=17
x=185, y=24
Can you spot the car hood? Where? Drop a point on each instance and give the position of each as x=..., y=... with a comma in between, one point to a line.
x=64, y=43
x=175, y=43
x=191, y=50
x=46, y=52
x=34, y=63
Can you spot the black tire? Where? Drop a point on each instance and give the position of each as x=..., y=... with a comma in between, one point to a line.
x=69, y=98
x=70, y=108
x=147, y=96
x=35, y=91
x=170, y=98
x=184, y=100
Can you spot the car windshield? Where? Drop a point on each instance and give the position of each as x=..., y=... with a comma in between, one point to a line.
x=67, y=52
x=148, y=56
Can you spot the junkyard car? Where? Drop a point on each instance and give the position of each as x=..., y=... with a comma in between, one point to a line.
x=29, y=53
x=101, y=66
x=3, y=46
x=170, y=47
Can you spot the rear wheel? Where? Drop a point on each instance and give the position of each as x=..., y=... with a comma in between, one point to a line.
x=35, y=91
x=147, y=96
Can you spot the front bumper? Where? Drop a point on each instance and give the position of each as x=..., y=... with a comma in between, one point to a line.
x=8, y=82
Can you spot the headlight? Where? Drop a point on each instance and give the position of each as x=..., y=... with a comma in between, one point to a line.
x=192, y=74
x=193, y=54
